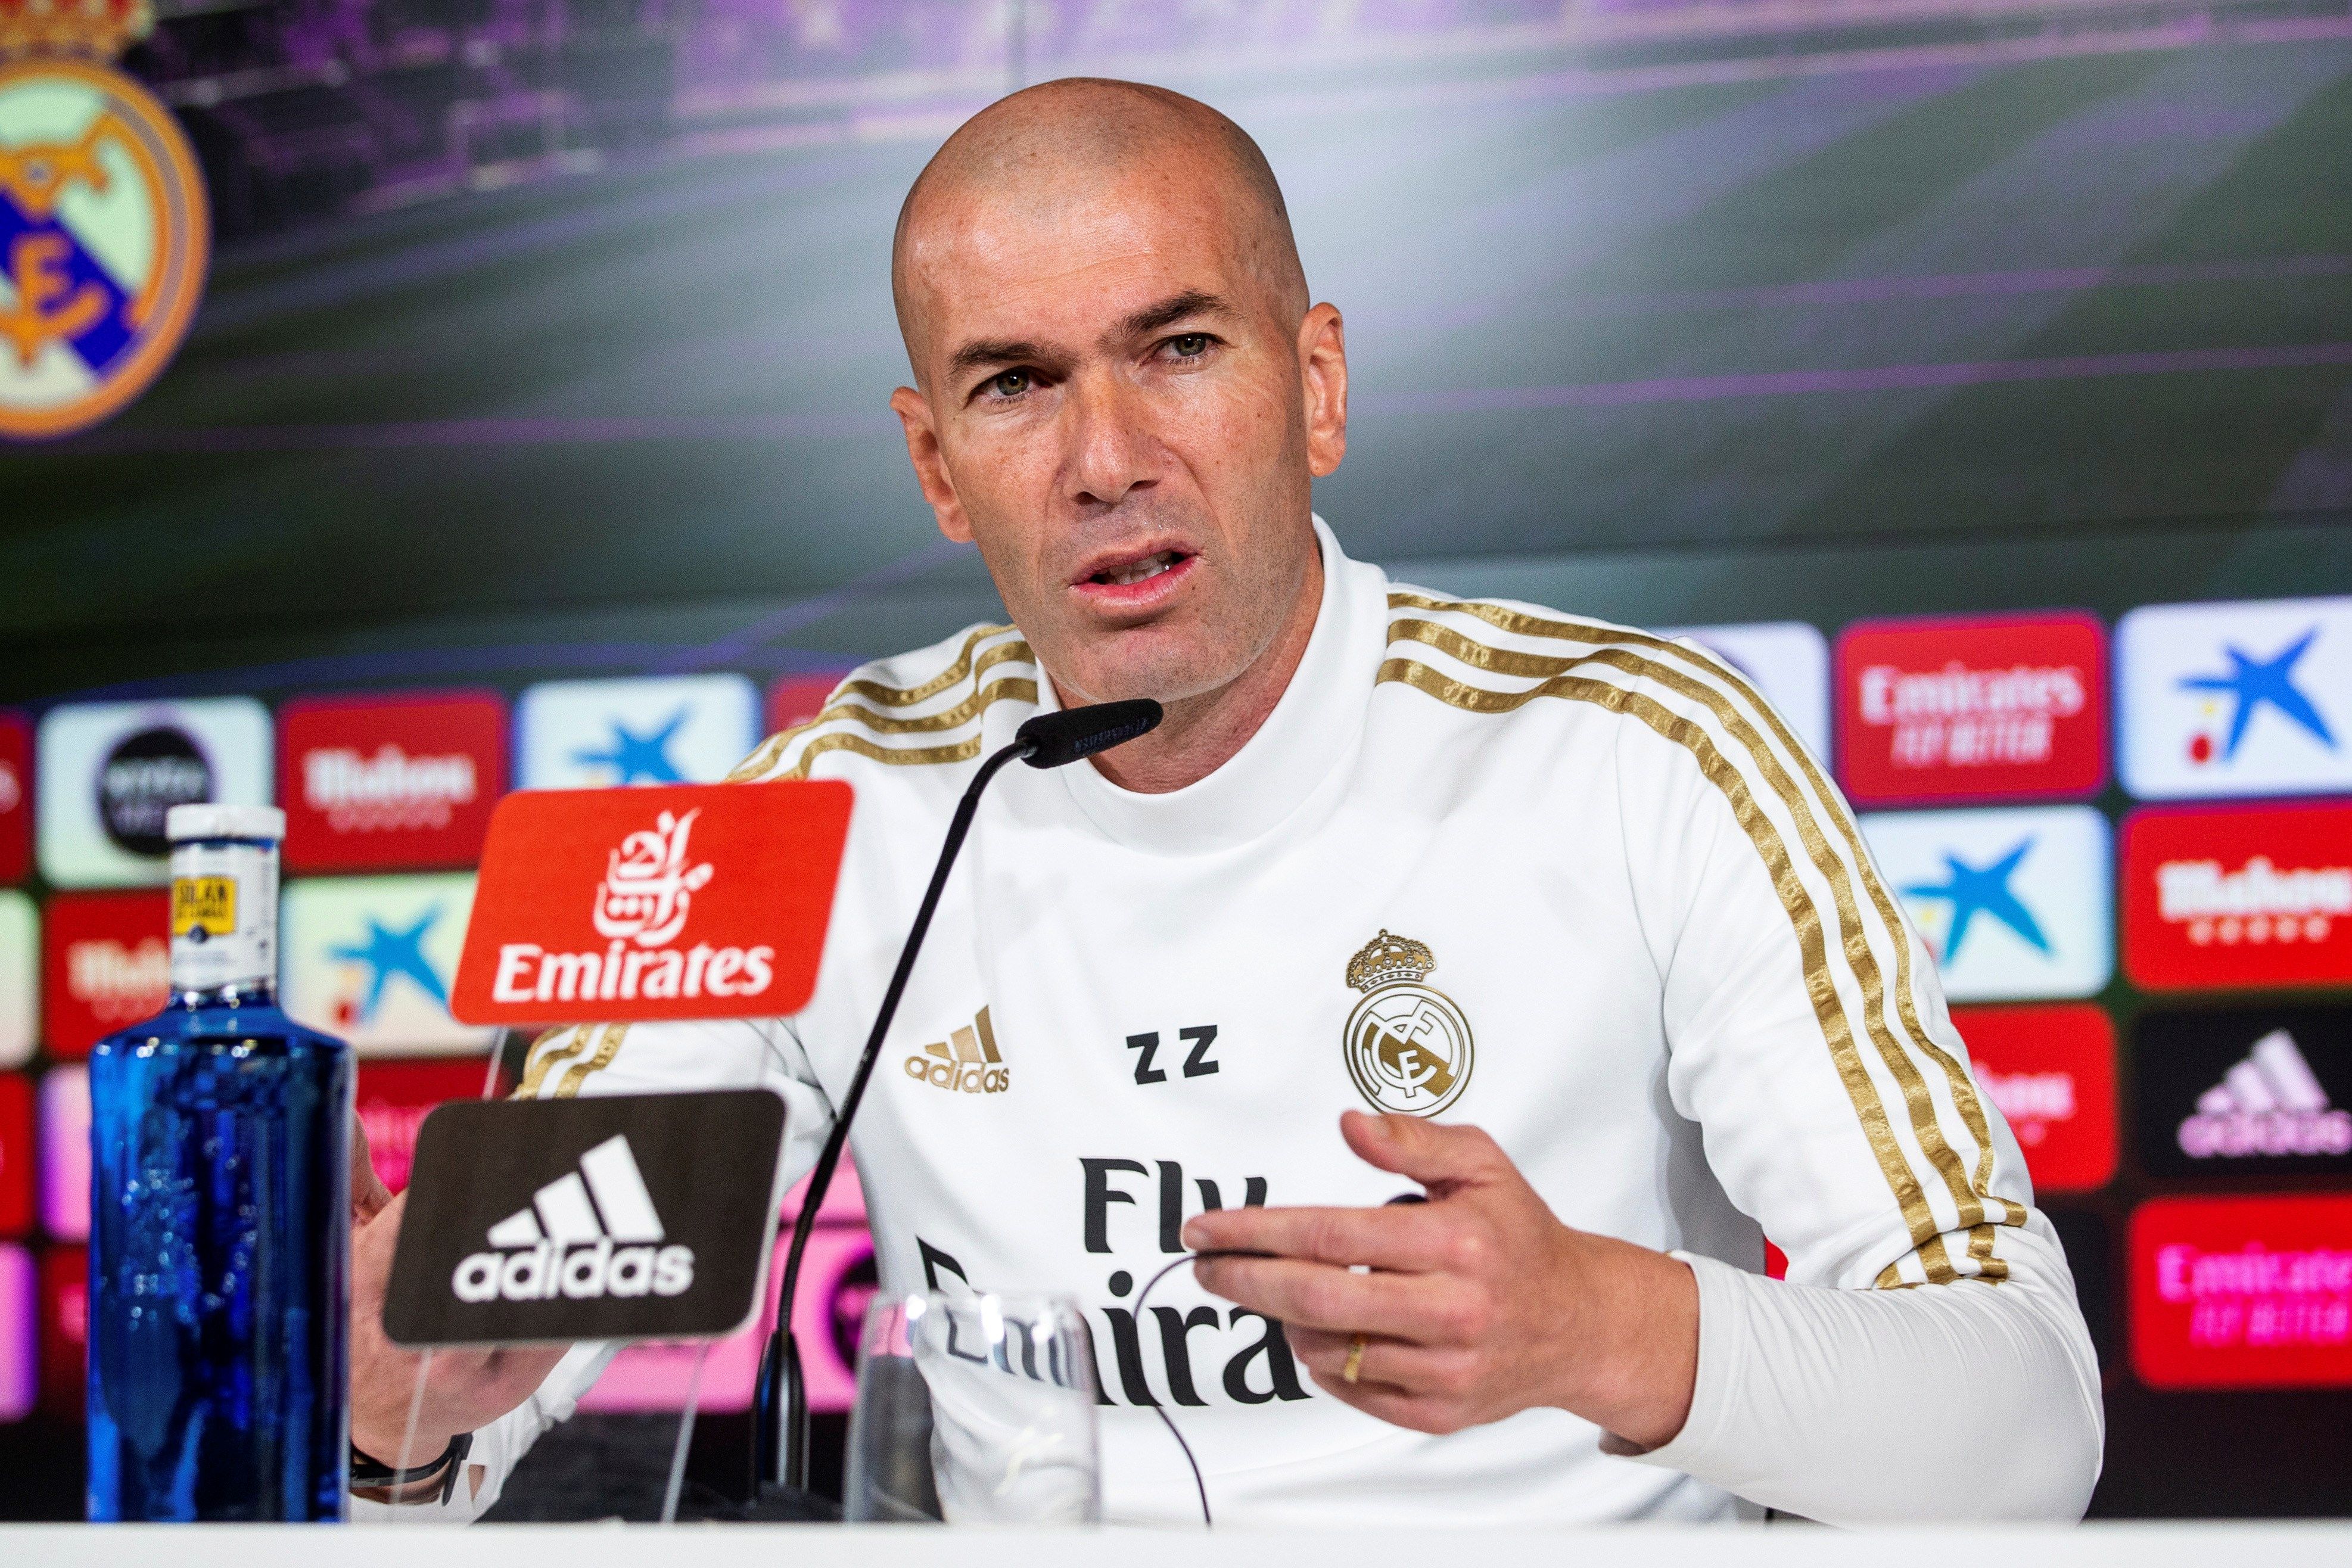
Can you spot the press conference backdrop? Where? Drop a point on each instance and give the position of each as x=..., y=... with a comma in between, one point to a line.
x=1977, y=375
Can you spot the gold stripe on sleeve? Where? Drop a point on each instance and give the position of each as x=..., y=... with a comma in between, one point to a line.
x=1969, y=1196
x=608, y=1046
x=554, y=1047
x=964, y=751
x=908, y=696
x=1828, y=1012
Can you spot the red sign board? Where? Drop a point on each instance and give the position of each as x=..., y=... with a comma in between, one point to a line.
x=2237, y=896
x=694, y=902
x=2009, y=706
x=16, y=797
x=106, y=963
x=2243, y=1292
x=377, y=783
x=395, y=1097
x=19, y=1158
x=2051, y=1071
x=65, y=1328
x=797, y=698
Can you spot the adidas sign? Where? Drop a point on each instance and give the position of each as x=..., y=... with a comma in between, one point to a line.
x=590, y=1234
x=2269, y=1103
x=966, y=1062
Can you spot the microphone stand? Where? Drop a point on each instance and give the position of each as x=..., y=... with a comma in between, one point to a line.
x=781, y=1448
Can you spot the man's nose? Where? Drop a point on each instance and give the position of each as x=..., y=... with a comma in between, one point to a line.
x=1110, y=454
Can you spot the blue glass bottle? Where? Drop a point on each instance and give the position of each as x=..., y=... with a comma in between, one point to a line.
x=220, y=1216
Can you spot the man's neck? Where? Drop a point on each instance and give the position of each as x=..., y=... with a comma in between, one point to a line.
x=1200, y=734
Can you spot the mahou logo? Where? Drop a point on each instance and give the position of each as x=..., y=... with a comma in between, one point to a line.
x=2219, y=897
x=703, y=902
x=1963, y=709
x=2052, y=1072
x=106, y=965
x=390, y=782
x=2243, y=1292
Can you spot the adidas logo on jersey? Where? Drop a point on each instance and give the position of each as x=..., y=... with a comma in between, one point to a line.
x=592, y=1233
x=965, y=1063
x=2269, y=1103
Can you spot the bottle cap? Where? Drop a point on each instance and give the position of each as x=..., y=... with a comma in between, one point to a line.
x=189, y=823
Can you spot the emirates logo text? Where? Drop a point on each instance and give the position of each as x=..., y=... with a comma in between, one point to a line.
x=1960, y=717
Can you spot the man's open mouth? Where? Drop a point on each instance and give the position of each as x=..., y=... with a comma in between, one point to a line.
x=1139, y=570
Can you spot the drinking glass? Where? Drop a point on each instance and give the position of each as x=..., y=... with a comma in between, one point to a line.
x=974, y=1408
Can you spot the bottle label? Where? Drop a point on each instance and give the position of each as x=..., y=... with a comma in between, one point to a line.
x=224, y=915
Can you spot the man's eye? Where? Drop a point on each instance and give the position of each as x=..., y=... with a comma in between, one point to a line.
x=1011, y=384
x=1190, y=345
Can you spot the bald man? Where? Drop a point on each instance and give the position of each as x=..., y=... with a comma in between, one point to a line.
x=1554, y=922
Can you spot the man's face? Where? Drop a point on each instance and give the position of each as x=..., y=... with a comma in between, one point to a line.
x=1115, y=409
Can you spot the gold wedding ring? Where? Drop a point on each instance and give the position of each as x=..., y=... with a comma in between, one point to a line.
x=1349, y=1373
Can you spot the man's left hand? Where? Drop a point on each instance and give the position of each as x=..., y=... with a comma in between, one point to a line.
x=1476, y=1305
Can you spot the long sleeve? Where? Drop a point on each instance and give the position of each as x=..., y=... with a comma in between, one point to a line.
x=1927, y=1357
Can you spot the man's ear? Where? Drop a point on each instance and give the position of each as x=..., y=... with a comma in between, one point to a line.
x=1323, y=363
x=914, y=412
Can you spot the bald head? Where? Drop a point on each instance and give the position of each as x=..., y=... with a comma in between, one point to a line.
x=1046, y=155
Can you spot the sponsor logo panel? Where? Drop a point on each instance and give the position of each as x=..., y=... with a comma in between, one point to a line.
x=2217, y=897
x=395, y=1097
x=110, y=772
x=586, y=735
x=1969, y=709
x=2012, y=903
x=16, y=797
x=2252, y=1292
x=601, y=905
x=20, y=1366
x=2244, y=1091
x=20, y=978
x=106, y=965
x=65, y=1153
x=20, y=1156
x=1787, y=661
x=372, y=783
x=65, y=1329
x=2246, y=697
x=2051, y=1071
x=371, y=959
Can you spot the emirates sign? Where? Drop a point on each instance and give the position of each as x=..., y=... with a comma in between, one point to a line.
x=2252, y=1293
x=1999, y=707
x=693, y=902
x=2218, y=897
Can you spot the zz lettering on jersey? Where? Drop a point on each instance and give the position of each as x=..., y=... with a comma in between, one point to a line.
x=1197, y=1062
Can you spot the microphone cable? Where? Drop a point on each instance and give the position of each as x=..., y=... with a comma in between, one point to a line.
x=1045, y=741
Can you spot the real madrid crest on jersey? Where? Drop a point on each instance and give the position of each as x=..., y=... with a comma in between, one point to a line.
x=1407, y=1045
x=103, y=228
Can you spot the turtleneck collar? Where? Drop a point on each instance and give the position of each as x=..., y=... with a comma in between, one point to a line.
x=1312, y=730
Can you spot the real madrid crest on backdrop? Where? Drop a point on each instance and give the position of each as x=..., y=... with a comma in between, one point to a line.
x=103, y=228
x=1407, y=1045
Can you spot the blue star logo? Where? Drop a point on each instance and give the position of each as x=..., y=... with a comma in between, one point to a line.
x=1973, y=890
x=634, y=756
x=388, y=952
x=2254, y=682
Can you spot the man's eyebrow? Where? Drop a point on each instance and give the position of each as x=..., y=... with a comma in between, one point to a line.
x=993, y=351
x=1151, y=318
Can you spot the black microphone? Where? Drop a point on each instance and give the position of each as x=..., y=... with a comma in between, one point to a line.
x=780, y=1449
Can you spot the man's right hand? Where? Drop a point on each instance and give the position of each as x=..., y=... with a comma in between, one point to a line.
x=467, y=1389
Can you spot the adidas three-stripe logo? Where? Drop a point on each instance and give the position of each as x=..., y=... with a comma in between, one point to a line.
x=2269, y=1103
x=590, y=1232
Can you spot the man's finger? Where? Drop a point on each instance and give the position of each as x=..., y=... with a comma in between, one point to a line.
x=369, y=1195
x=1409, y=1238
x=1443, y=1370
x=1418, y=1307
x=1438, y=1156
